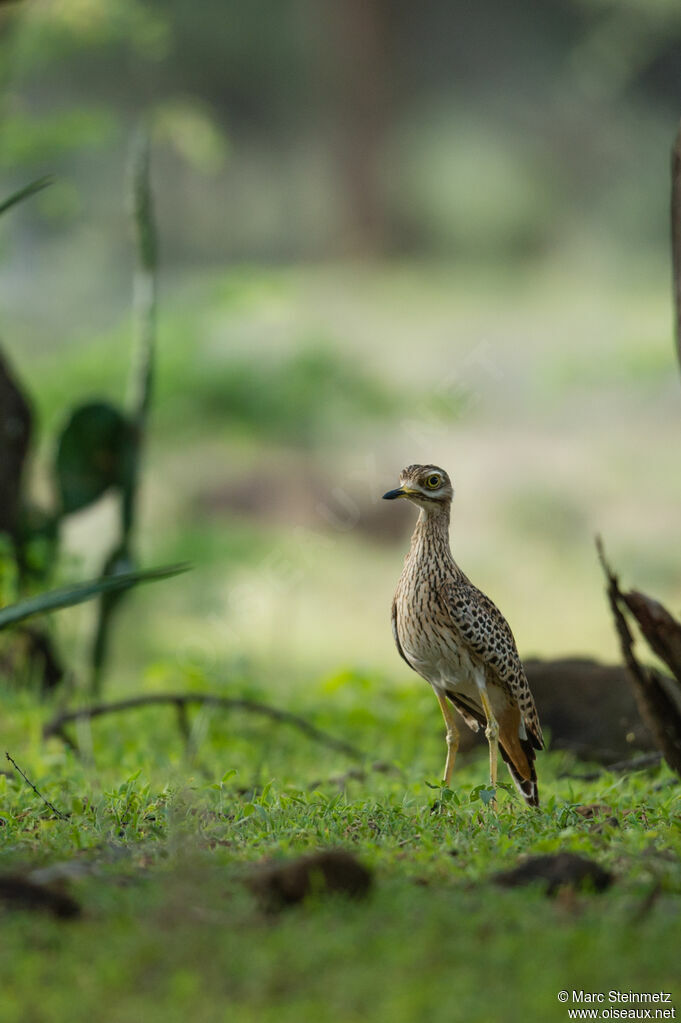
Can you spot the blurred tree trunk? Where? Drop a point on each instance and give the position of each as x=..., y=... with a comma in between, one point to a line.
x=28, y=651
x=358, y=48
x=15, y=436
x=676, y=237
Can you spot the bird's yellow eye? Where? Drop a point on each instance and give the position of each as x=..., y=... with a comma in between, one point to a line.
x=433, y=482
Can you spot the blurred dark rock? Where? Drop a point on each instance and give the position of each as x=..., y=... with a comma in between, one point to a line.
x=589, y=708
x=585, y=707
x=19, y=892
x=557, y=871
x=330, y=871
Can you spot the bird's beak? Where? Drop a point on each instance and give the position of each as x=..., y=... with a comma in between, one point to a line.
x=392, y=494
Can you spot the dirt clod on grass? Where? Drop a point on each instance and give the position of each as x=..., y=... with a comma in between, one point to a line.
x=557, y=871
x=330, y=871
x=19, y=892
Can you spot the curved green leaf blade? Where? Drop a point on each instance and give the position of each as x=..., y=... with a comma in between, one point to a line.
x=68, y=596
x=24, y=193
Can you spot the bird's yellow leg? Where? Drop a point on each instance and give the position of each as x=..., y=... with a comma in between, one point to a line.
x=452, y=735
x=492, y=734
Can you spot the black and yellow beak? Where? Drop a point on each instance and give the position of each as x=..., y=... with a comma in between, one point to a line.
x=392, y=494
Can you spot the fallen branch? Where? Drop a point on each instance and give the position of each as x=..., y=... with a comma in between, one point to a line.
x=56, y=727
x=658, y=708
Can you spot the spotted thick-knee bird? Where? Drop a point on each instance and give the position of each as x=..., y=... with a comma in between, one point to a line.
x=449, y=632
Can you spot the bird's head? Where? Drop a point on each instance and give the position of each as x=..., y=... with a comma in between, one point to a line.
x=427, y=486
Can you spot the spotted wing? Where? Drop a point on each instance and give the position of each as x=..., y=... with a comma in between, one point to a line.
x=484, y=630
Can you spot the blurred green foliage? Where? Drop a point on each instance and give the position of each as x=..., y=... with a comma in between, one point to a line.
x=442, y=139
x=304, y=394
x=295, y=398
x=96, y=452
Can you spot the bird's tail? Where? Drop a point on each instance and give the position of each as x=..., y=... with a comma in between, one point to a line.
x=518, y=750
x=520, y=762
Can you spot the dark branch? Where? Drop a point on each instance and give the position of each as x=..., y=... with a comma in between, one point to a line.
x=56, y=726
x=657, y=707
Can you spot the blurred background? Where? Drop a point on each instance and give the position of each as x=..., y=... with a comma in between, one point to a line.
x=389, y=233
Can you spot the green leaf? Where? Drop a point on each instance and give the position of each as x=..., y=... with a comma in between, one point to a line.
x=487, y=795
x=95, y=451
x=70, y=595
x=24, y=193
x=482, y=792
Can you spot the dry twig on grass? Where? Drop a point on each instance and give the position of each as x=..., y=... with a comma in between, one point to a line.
x=28, y=781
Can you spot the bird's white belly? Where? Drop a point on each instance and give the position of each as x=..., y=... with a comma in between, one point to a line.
x=440, y=659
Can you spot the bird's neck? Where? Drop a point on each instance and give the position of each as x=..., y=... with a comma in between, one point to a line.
x=431, y=536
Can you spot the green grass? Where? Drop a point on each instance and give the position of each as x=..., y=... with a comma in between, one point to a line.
x=158, y=839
